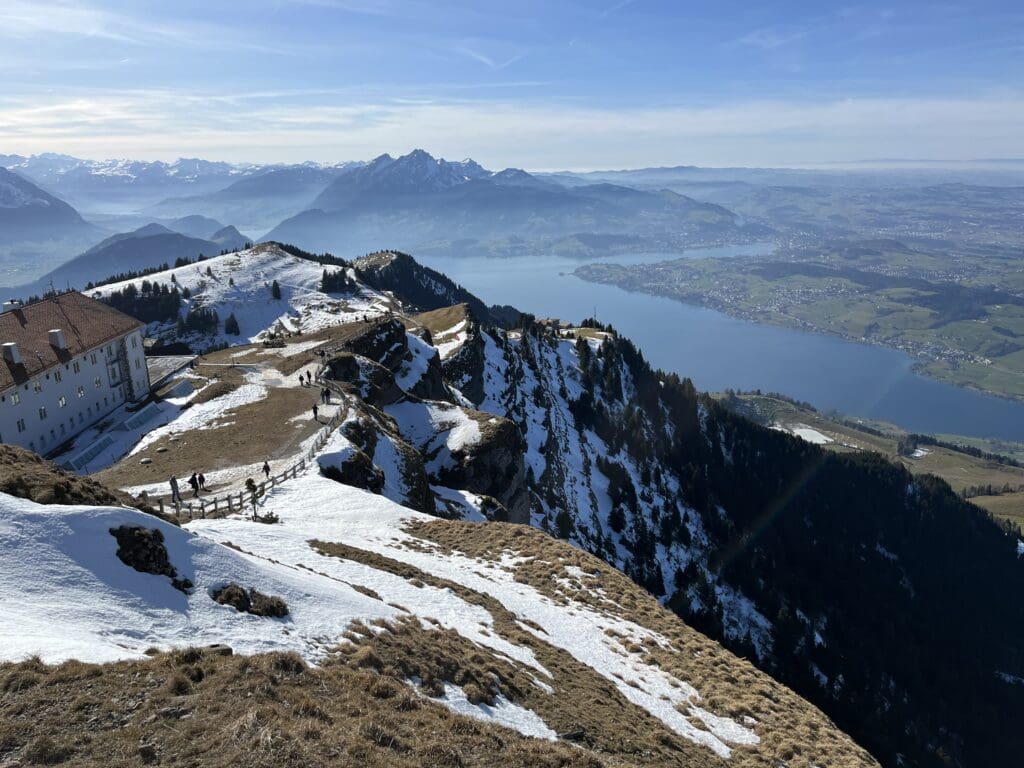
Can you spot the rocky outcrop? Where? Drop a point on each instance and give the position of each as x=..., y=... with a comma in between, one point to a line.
x=494, y=467
x=143, y=549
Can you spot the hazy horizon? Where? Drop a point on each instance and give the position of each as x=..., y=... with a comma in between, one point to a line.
x=545, y=86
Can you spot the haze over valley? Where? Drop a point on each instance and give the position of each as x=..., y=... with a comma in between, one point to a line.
x=566, y=384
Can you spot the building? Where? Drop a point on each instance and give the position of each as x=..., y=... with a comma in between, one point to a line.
x=67, y=362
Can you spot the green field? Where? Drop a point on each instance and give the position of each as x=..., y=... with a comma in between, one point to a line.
x=968, y=334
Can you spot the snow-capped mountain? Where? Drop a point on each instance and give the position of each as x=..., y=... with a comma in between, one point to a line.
x=258, y=201
x=124, y=185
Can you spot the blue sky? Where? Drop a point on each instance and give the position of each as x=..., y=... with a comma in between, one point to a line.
x=542, y=85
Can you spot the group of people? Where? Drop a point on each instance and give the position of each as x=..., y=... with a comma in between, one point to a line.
x=197, y=482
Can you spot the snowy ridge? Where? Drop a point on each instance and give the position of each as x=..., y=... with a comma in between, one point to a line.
x=105, y=610
x=241, y=284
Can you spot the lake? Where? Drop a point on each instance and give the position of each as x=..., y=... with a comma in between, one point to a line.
x=720, y=352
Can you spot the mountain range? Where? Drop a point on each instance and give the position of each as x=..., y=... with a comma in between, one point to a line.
x=417, y=201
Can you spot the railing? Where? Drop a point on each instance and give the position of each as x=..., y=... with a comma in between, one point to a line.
x=248, y=498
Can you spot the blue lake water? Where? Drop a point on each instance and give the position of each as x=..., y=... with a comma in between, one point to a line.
x=719, y=352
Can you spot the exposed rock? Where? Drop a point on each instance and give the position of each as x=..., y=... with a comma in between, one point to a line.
x=250, y=601
x=143, y=549
x=494, y=467
x=357, y=470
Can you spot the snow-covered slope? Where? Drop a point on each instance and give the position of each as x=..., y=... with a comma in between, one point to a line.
x=66, y=593
x=241, y=284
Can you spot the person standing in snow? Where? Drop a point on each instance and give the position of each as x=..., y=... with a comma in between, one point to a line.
x=175, y=493
x=302, y=381
x=316, y=412
x=194, y=482
x=266, y=469
x=202, y=481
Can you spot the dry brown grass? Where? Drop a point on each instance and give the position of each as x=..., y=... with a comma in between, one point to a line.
x=252, y=433
x=728, y=685
x=440, y=320
x=28, y=476
x=201, y=709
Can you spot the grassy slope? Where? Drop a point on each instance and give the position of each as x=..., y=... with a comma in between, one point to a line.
x=959, y=469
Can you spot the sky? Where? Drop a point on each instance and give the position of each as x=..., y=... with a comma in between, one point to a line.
x=549, y=85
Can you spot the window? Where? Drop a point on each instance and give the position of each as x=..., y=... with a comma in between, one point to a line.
x=81, y=391
x=138, y=363
x=92, y=358
x=56, y=376
x=15, y=398
x=62, y=402
x=77, y=367
x=42, y=412
x=63, y=429
x=21, y=425
x=96, y=381
x=37, y=386
x=135, y=341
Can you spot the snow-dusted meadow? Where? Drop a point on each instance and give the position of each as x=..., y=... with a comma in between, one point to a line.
x=67, y=595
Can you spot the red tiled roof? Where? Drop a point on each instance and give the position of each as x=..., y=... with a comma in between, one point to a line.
x=86, y=323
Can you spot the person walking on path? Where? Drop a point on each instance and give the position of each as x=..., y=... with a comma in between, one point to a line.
x=316, y=413
x=302, y=381
x=266, y=469
x=175, y=493
x=202, y=481
x=194, y=482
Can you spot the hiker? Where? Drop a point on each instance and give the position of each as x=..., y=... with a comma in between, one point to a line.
x=316, y=412
x=202, y=481
x=302, y=381
x=309, y=378
x=194, y=482
x=266, y=469
x=327, y=395
x=175, y=493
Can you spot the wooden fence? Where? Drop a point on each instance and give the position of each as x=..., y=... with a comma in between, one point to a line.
x=244, y=499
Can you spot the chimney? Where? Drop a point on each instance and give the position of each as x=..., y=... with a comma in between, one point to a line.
x=57, y=339
x=11, y=353
x=11, y=304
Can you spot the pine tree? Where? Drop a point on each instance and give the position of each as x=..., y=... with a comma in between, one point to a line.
x=275, y=290
x=231, y=325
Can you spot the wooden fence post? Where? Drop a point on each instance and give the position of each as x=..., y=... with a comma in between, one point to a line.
x=161, y=502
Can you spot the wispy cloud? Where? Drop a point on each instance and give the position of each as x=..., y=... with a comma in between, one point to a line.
x=170, y=123
x=773, y=37
x=483, y=58
x=28, y=20
x=614, y=7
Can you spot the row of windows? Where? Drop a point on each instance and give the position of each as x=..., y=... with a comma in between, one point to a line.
x=97, y=382
x=37, y=385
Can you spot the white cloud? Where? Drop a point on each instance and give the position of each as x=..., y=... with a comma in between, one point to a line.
x=293, y=126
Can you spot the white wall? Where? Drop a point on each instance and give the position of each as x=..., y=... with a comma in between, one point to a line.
x=84, y=403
